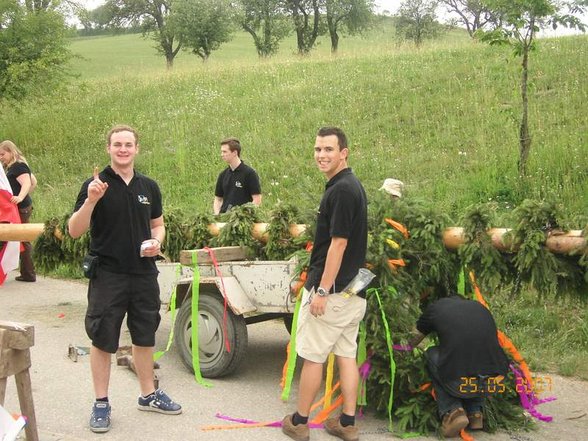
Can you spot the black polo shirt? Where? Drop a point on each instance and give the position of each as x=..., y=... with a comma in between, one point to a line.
x=468, y=344
x=121, y=220
x=342, y=213
x=14, y=171
x=237, y=186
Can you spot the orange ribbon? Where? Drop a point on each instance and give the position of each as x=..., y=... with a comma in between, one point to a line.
x=394, y=263
x=503, y=340
x=398, y=226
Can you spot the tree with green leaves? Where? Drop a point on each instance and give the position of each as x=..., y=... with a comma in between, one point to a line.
x=266, y=22
x=471, y=13
x=519, y=21
x=306, y=15
x=416, y=20
x=203, y=25
x=153, y=16
x=33, y=47
x=353, y=15
x=94, y=20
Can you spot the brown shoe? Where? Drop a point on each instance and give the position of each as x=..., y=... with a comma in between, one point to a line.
x=348, y=433
x=476, y=421
x=298, y=433
x=453, y=422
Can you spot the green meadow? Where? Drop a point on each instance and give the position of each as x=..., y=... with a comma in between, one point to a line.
x=444, y=119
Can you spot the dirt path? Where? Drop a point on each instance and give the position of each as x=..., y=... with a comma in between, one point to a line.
x=63, y=390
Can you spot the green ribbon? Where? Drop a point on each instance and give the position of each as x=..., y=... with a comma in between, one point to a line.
x=390, y=353
x=172, y=307
x=195, y=316
x=461, y=283
x=361, y=358
x=292, y=358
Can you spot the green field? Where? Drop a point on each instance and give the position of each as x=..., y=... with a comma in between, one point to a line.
x=107, y=56
x=443, y=119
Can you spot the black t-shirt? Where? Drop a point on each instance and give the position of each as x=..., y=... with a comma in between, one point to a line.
x=237, y=186
x=13, y=172
x=342, y=213
x=468, y=344
x=121, y=220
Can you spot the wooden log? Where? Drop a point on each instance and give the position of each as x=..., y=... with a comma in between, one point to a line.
x=570, y=242
x=222, y=254
x=20, y=232
x=27, y=406
x=559, y=243
x=17, y=335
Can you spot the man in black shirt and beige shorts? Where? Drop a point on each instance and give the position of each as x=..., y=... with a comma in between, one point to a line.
x=328, y=320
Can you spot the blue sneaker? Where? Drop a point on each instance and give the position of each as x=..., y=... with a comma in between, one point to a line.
x=158, y=401
x=100, y=418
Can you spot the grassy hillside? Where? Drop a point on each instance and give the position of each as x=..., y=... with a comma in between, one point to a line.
x=444, y=120
x=108, y=56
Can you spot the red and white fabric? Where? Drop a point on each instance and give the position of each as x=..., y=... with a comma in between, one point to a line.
x=10, y=251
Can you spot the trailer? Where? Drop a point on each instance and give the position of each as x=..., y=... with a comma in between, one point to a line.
x=254, y=291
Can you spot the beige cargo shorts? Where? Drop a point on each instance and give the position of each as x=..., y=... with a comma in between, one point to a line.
x=335, y=331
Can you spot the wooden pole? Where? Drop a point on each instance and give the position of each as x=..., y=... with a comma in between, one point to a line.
x=20, y=232
x=557, y=242
x=453, y=237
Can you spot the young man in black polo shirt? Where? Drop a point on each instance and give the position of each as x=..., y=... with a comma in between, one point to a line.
x=238, y=184
x=328, y=321
x=123, y=211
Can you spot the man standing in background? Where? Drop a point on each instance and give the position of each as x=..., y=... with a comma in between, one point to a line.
x=238, y=184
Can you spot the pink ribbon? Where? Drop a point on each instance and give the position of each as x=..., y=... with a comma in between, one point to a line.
x=402, y=347
x=530, y=400
x=272, y=424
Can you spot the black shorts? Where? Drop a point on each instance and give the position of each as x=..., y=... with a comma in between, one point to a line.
x=110, y=297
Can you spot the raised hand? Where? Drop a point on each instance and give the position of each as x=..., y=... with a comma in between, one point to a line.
x=97, y=188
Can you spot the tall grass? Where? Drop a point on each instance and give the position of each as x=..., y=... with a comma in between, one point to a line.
x=444, y=121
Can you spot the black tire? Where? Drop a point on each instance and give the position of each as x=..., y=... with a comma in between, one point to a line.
x=215, y=361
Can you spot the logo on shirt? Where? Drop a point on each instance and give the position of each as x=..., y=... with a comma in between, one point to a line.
x=238, y=184
x=143, y=200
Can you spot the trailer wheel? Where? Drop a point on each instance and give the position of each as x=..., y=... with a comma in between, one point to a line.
x=215, y=361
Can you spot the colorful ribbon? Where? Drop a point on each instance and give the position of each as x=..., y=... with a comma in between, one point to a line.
x=461, y=283
x=225, y=297
x=329, y=380
x=529, y=400
x=390, y=353
x=290, y=365
x=364, y=366
x=398, y=226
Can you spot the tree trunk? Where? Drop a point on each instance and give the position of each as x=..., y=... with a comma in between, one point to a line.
x=169, y=60
x=524, y=137
x=334, y=42
x=332, y=25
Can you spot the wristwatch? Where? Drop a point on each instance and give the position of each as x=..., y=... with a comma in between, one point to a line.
x=322, y=292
